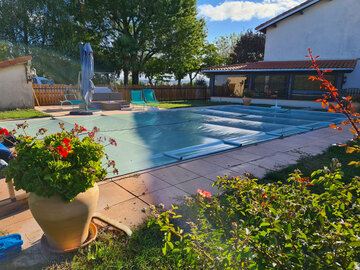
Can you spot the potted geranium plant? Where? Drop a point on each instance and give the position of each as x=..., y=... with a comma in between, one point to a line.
x=60, y=172
x=247, y=96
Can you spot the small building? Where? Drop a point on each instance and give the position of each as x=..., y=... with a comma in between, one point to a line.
x=331, y=28
x=16, y=84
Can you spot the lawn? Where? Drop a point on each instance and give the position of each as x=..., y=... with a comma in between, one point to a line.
x=144, y=249
x=20, y=114
x=309, y=164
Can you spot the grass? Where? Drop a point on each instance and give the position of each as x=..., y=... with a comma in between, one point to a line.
x=143, y=250
x=26, y=113
x=116, y=251
x=309, y=164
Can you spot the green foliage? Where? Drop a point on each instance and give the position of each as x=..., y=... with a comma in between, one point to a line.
x=114, y=250
x=308, y=164
x=248, y=93
x=64, y=164
x=225, y=46
x=273, y=226
x=135, y=31
x=249, y=48
x=22, y=113
x=200, y=82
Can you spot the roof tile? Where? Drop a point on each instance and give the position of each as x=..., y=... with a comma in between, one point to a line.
x=286, y=65
x=15, y=61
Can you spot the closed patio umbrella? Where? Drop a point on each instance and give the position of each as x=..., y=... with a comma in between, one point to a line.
x=87, y=72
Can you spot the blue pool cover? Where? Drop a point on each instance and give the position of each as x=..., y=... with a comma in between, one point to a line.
x=149, y=139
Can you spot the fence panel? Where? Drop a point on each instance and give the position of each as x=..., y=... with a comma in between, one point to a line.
x=168, y=93
x=52, y=95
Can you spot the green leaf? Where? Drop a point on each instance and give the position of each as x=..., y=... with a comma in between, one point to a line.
x=355, y=244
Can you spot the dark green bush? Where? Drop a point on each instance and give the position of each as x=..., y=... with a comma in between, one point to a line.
x=272, y=226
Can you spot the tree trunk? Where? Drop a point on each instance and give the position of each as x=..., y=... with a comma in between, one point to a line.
x=135, y=77
x=191, y=79
x=179, y=82
x=126, y=77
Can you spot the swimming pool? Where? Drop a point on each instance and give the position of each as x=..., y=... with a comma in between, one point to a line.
x=149, y=139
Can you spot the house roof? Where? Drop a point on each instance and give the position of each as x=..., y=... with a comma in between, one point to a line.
x=345, y=65
x=15, y=61
x=288, y=13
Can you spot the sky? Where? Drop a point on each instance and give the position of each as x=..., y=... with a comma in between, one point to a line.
x=224, y=17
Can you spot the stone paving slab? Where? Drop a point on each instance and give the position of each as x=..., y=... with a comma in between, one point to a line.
x=213, y=176
x=254, y=170
x=275, y=162
x=201, y=183
x=174, y=174
x=124, y=198
x=142, y=184
x=167, y=196
x=200, y=166
x=112, y=194
x=223, y=160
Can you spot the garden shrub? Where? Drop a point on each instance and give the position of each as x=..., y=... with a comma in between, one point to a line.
x=269, y=226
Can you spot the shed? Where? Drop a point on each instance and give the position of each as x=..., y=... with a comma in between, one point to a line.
x=16, y=84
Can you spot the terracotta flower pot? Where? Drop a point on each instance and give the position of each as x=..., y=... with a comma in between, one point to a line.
x=246, y=101
x=66, y=225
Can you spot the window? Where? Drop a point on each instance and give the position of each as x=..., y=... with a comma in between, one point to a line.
x=302, y=83
x=230, y=85
x=270, y=86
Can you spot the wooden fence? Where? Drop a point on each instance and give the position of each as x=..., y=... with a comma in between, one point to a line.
x=169, y=93
x=51, y=95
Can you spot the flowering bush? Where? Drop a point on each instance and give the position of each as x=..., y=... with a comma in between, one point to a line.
x=65, y=164
x=273, y=226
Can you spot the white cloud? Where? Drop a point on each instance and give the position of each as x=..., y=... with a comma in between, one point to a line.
x=246, y=10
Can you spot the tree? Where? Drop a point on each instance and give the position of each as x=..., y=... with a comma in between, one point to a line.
x=154, y=69
x=137, y=30
x=47, y=30
x=249, y=48
x=186, y=57
x=208, y=57
x=225, y=46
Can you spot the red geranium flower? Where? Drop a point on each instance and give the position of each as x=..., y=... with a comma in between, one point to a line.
x=62, y=151
x=4, y=131
x=82, y=129
x=204, y=193
x=66, y=141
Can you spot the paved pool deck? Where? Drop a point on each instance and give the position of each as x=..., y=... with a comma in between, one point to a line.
x=123, y=198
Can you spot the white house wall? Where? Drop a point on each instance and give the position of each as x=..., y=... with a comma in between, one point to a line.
x=15, y=90
x=352, y=80
x=330, y=28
